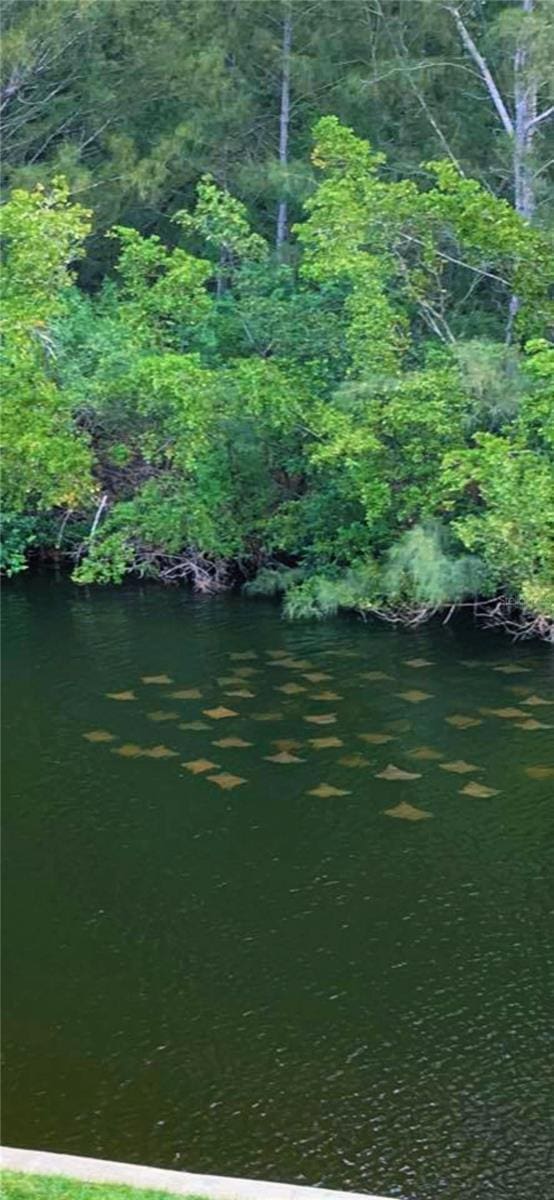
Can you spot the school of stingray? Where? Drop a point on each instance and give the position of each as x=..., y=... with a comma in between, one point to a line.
x=208, y=716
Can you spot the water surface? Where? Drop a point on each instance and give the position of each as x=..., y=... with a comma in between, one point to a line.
x=257, y=980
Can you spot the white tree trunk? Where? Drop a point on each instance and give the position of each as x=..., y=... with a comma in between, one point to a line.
x=281, y=235
x=525, y=99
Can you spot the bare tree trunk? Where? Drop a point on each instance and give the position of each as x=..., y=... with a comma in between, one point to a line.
x=281, y=235
x=525, y=97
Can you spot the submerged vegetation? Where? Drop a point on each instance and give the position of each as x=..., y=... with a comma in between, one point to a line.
x=361, y=418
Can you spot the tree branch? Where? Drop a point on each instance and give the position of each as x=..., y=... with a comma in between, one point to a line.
x=485, y=73
x=543, y=116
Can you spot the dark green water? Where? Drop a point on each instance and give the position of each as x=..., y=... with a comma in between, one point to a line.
x=262, y=981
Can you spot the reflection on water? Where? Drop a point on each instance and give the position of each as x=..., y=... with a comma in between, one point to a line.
x=223, y=953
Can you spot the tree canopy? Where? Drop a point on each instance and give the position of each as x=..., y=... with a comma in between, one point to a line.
x=360, y=415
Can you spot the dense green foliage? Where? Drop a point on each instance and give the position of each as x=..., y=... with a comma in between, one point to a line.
x=366, y=421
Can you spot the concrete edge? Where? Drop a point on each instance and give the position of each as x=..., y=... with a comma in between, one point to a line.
x=180, y=1183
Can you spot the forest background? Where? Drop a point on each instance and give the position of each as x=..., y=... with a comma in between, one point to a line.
x=278, y=297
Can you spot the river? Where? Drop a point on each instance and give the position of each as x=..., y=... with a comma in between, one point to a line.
x=331, y=971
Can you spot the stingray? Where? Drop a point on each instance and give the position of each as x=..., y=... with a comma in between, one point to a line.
x=459, y=767
x=194, y=725
x=506, y=713
x=162, y=714
x=461, y=721
x=229, y=681
x=401, y=726
x=535, y=701
x=244, y=655
x=226, y=781
x=425, y=752
x=417, y=662
x=283, y=757
x=354, y=760
x=266, y=716
x=128, y=750
x=326, y=789
x=231, y=743
x=531, y=724
x=373, y=676
x=321, y=719
x=287, y=743
x=326, y=696
x=392, y=772
x=277, y=653
x=539, y=772
x=246, y=672
x=121, y=695
x=160, y=752
x=185, y=694
x=295, y=664
x=325, y=743
x=243, y=693
x=512, y=669
x=100, y=735
x=157, y=679
x=479, y=790
x=218, y=713
x=290, y=689
x=199, y=765
x=317, y=677
x=407, y=812
x=414, y=696
x=376, y=739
